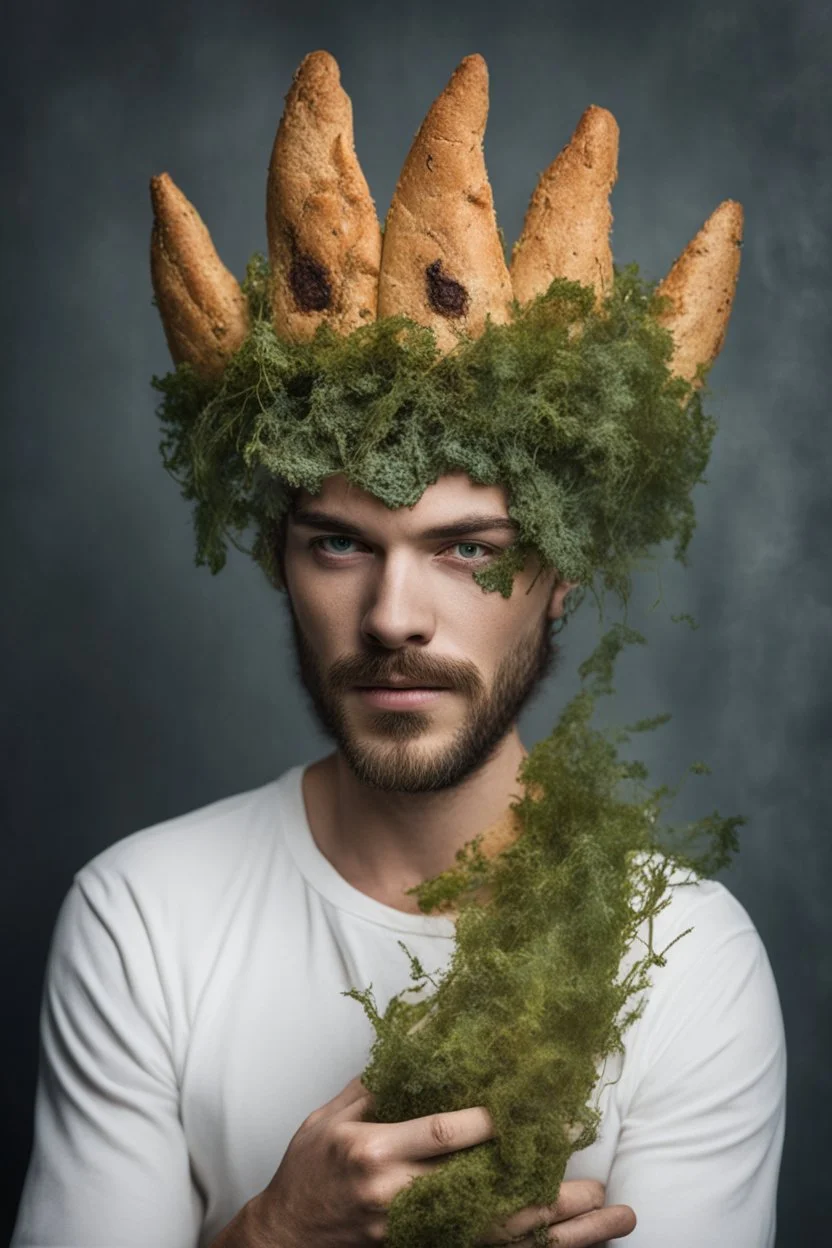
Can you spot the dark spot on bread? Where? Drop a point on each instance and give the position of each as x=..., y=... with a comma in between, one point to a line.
x=445, y=296
x=310, y=284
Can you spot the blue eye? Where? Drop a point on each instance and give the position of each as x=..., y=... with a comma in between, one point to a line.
x=318, y=543
x=336, y=537
x=475, y=545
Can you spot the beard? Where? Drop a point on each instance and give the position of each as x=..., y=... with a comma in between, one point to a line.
x=385, y=755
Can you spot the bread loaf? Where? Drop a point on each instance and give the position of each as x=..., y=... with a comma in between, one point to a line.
x=701, y=286
x=323, y=233
x=566, y=232
x=442, y=262
x=204, y=312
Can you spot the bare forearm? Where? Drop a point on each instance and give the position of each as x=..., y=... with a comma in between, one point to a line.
x=248, y=1229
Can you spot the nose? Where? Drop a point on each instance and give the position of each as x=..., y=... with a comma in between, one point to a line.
x=399, y=610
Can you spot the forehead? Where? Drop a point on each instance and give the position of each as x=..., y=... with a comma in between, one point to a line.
x=448, y=499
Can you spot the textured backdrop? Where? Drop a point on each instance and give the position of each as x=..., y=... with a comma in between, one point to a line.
x=137, y=686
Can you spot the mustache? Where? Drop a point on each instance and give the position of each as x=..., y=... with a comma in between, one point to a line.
x=376, y=670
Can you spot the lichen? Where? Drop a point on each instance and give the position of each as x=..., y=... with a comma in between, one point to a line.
x=597, y=445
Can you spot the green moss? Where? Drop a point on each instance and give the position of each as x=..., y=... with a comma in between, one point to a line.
x=531, y=997
x=597, y=446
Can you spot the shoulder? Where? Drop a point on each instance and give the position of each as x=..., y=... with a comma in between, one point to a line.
x=696, y=915
x=202, y=839
x=180, y=877
x=716, y=989
x=700, y=1092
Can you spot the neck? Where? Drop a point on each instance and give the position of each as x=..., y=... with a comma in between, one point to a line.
x=384, y=843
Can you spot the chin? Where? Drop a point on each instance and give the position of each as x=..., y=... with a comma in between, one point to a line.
x=380, y=741
x=411, y=765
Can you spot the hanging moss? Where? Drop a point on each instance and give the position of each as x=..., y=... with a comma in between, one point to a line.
x=531, y=998
x=597, y=446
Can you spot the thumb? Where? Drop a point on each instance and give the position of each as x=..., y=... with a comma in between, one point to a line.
x=348, y=1096
x=355, y=1103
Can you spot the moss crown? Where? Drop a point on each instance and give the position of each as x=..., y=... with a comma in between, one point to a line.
x=572, y=409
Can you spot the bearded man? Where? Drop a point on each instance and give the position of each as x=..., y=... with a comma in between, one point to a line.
x=201, y=1068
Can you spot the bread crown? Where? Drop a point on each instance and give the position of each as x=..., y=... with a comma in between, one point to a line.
x=441, y=260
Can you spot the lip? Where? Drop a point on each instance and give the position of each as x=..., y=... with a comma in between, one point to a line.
x=401, y=699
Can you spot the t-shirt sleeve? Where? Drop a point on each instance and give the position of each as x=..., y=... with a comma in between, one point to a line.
x=109, y=1165
x=699, y=1152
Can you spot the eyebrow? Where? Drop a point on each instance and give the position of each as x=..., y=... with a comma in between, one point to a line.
x=472, y=523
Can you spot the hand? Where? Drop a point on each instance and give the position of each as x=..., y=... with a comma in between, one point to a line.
x=578, y=1220
x=339, y=1174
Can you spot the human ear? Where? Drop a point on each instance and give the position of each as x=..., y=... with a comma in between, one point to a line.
x=561, y=589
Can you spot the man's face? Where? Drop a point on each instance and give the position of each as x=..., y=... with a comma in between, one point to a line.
x=374, y=598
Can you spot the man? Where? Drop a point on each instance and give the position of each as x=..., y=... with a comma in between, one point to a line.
x=199, y=1079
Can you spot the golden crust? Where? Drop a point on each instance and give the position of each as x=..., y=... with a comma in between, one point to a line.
x=442, y=262
x=566, y=232
x=324, y=235
x=701, y=287
x=204, y=312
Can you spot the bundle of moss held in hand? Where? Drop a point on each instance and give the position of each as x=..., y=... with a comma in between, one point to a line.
x=531, y=1000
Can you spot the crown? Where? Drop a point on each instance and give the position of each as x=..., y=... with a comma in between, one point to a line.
x=440, y=260
x=554, y=373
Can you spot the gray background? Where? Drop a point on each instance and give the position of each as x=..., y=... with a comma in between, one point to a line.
x=137, y=686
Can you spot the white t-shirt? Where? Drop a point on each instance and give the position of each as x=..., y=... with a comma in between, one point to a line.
x=192, y=1017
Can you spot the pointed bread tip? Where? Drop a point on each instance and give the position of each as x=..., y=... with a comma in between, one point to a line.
x=700, y=286
x=318, y=68
x=473, y=64
x=442, y=262
x=163, y=192
x=566, y=231
x=202, y=307
x=323, y=233
x=596, y=136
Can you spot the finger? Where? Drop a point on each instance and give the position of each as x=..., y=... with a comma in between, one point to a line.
x=343, y=1100
x=575, y=1196
x=588, y=1229
x=438, y=1134
x=390, y=1181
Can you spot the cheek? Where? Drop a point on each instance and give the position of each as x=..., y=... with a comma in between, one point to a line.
x=497, y=622
x=488, y=637
x=323, y=612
